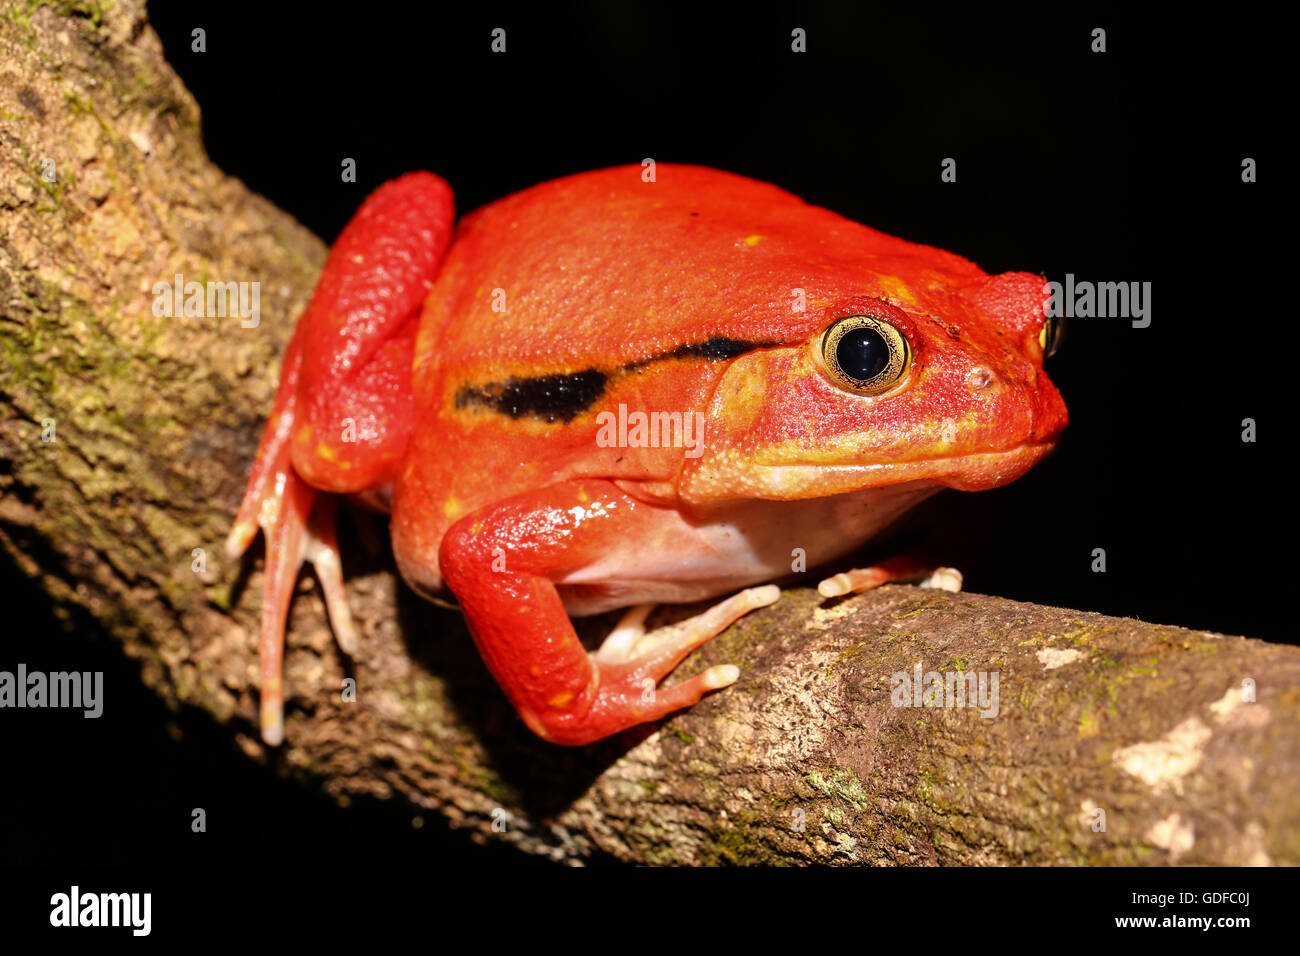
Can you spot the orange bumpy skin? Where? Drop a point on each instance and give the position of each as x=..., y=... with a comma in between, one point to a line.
x=603, y=392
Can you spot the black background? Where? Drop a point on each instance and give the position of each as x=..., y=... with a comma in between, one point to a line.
x=1122, y=166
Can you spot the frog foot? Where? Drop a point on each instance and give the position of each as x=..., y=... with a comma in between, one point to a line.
x=631, y=662
x=905, y=568
x=298, y=523
x=321, y=550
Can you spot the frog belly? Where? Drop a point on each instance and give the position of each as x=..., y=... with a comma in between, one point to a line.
x=706, y=554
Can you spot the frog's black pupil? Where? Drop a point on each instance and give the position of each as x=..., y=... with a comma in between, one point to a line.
x=862, y=353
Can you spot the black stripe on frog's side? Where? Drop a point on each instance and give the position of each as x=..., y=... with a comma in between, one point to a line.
x=564, y=396
x=715, y=349
x=551, y=398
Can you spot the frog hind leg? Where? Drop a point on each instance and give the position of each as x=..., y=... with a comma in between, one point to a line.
x=902, y=568
x=342, y=412
x=354, y=403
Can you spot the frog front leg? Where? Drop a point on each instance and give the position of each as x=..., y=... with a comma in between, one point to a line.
x=503, y=564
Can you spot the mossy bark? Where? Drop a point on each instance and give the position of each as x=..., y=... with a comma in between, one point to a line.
x=809, y=758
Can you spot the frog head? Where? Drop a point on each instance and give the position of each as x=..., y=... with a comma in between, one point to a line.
x=921, y=374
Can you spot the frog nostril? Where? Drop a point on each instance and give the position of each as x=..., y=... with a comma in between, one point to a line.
x=979, y=378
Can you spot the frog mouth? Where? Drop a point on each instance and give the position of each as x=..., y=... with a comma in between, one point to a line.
x=975, y=471
x=982, y=471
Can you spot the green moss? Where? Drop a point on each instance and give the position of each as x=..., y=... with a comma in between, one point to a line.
x=93, y=10
x=18, y=348
x=151, y=331
x=220, y=597
x=680, y=734
x=743, y=843
x=176, y=594
x=731, y=847
x=78, y=106
x=1105, y=682
x=471, y=767
x=658, y=854
x=82, y=107
x=841, y=785
x=924, y=786
x=928, y=605
x=778, y=801
x=489, y=782
x=847, y=654
x=701, y=768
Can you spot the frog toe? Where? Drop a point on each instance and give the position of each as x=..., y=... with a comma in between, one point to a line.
x=321, y=550
x=944, y=579
x=618, y=646
x=658, y=652
x=905, y=568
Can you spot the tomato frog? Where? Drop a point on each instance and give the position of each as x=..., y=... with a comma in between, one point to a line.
x=603, y=392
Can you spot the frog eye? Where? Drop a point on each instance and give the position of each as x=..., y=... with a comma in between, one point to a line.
x=1050, y=336
x=863, y=354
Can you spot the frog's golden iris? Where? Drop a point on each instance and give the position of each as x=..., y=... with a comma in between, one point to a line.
x=1050, y=336
x=863, y=354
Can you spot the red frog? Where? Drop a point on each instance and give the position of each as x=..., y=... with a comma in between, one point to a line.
x=605, y=392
